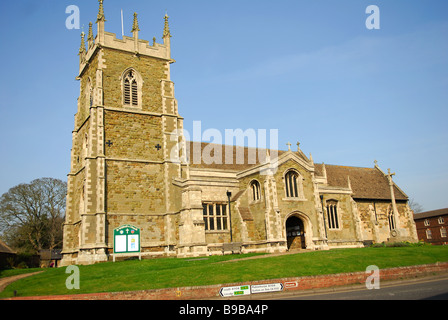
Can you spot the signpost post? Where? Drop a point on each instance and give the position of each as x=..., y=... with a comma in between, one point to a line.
x=127, y=241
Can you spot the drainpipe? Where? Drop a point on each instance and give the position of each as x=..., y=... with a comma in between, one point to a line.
x=229, y=194
x=323, y=214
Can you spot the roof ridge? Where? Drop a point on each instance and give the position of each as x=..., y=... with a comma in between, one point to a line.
x=229, y=145
x=343, y=166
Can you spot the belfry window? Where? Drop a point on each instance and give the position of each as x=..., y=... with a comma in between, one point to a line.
x=130, y=89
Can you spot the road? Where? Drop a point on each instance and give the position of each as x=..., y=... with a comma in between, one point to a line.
x=423, y=289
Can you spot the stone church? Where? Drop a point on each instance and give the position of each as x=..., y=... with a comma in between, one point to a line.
x=130, y=165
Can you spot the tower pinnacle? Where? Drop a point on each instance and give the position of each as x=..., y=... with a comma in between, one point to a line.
x=90, y=36
x=135, y=24
x=166, y=29
x=82, y=48
x=101, y=16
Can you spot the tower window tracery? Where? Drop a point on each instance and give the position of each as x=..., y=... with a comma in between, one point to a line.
x=130, y=91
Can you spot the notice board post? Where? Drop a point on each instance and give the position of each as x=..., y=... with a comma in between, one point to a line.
x=127, y=241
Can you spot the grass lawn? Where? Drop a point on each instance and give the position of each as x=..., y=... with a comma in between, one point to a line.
x=174, y=272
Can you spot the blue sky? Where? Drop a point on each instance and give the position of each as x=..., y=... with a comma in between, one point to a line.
x=310, y=69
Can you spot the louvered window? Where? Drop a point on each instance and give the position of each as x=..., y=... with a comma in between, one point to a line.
x=130, y=90
x=134, y=93
x=127, y=92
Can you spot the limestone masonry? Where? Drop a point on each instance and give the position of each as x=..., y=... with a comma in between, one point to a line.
x=130, y=164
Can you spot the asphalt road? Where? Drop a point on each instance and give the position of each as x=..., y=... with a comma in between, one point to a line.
x=424, y=289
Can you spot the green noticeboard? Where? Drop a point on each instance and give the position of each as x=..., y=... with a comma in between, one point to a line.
x=127, y=239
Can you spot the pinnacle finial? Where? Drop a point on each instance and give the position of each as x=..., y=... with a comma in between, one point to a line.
x=90, y=35
x=82, y=48
x=166, y=29
x=101, y=16
x=135, y=24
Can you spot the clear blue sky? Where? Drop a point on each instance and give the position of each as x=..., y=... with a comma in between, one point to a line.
x=308, y=68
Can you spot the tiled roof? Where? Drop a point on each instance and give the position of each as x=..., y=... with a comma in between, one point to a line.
x=242, y=157
x=4, y=248
x=432, y=213
x=366, y=183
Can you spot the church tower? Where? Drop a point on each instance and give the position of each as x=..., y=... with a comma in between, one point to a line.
x=124, y=151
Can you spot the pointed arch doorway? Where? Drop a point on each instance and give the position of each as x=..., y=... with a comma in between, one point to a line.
x=295, y=233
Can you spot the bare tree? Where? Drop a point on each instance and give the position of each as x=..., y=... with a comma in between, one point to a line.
x=32, y=214
x=415, y=206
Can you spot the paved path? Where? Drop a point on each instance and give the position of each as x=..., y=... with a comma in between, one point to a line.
x=4, y=282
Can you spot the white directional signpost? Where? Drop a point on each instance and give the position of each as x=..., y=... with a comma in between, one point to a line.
x=235, y=291
x=264, y=288
x=127, y=241
x=250, y=289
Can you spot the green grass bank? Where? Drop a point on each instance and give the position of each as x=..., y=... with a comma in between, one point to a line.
x=173, y=272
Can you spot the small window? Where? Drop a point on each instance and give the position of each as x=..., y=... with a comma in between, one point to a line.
x=426, y=223
x=89, y=93
x=255, y=190
x=391, y=218
x=391, y=222
x=428, y=234
x=441, y=220
x=443, y=232
x=332, y=214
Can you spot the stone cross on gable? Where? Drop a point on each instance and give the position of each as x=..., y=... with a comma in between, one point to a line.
x=289, y=146
x=389, y=176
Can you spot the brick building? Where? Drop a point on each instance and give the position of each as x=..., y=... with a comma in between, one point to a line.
x=131, y=165
x=432, y=226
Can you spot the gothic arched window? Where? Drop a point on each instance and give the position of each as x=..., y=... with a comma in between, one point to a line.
x=130, y=89
x=293, y=185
